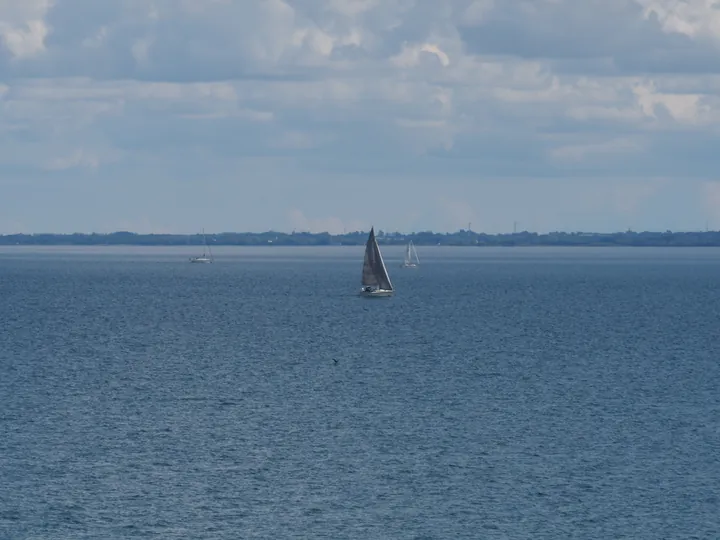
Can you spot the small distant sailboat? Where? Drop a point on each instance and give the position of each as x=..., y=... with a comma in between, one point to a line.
x=411, y=256
x=205, y=257
x=375, y=279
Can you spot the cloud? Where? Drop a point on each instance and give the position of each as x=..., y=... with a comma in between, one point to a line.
x=434, y=98
x=79, y=158
x=692, y=18
x=584, y=152
x=23, y=28
x=412, y=55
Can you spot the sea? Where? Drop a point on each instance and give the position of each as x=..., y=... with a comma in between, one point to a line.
x=502, y=393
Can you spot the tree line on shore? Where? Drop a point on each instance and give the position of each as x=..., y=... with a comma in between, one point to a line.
x=424, y=238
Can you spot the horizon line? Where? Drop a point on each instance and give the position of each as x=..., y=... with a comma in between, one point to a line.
x=350, y=233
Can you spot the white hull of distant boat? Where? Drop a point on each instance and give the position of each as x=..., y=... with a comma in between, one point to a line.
x=375, y=279
x=204, y=258
x=376, y=293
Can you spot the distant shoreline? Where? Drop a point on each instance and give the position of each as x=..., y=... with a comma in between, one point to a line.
x=460, y=238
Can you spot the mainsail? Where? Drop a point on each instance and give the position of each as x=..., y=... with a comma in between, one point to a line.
x=374, y=273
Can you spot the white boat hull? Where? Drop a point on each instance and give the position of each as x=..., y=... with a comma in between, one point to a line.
x=204, y=260
x=408, y=265
x=376, y=293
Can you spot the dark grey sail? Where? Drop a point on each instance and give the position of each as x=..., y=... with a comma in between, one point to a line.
x=374, y=273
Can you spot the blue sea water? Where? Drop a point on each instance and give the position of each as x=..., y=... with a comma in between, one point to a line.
x=501, y=394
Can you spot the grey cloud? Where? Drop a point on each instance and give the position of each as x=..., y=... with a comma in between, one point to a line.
x=249, y=40
x=607, y=37
x=101, y=40
x=223, y=40
x=489, y=136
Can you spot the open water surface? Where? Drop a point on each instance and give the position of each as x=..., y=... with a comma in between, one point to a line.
x=501, y=394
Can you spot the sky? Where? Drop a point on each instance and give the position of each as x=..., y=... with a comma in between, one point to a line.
x=331, y=115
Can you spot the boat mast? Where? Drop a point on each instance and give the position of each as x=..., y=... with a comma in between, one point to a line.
x=207, y=246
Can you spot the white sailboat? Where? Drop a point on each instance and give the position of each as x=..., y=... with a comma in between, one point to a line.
x=411, y=257
x=204, y=258
x=375, y=279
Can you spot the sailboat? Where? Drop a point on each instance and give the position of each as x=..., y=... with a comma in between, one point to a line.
x=375, y=279
x=411, y=256
x=204, y=258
